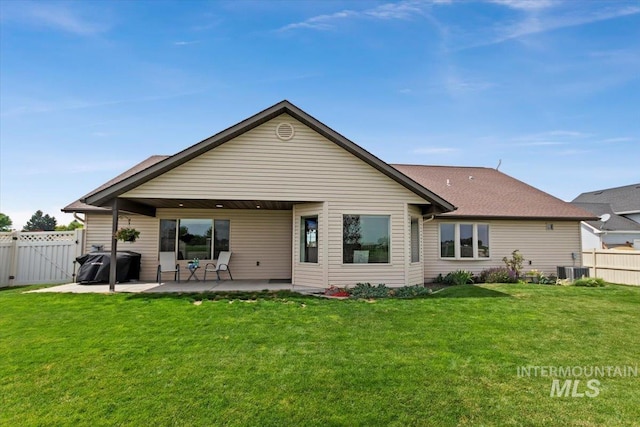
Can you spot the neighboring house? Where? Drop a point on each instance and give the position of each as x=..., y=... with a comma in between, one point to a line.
x=619, y=207
x=294, y=199
x=496, y=214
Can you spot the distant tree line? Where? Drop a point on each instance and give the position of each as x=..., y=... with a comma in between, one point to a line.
x=39, y=222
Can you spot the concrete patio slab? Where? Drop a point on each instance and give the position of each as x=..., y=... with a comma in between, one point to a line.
x=183, y=287
x=77, y=288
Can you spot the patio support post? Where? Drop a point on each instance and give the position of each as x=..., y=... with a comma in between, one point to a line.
x=114, y=247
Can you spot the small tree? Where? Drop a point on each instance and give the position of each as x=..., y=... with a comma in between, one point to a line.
x=40, y=222
x=72, y=226
x=515, y=263
x=5, y=222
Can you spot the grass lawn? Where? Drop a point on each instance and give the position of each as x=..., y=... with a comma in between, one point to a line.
x=447, y=359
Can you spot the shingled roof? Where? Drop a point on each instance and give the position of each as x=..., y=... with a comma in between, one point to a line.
x=614, y=223
x=624, y=199
x=79, y=206
x=487, y=193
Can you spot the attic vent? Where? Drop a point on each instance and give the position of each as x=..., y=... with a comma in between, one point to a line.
x=285, y=131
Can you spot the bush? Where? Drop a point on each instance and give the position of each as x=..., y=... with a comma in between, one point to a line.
x=515, y=262
x=410, y=291
x=458, y=277
x=591, y=282
x=366, y=290
x=498, y=275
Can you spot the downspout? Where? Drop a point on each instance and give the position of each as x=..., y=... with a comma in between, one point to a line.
x=75, y=215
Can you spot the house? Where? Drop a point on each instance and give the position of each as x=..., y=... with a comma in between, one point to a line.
x=294, y=199
x=618, y=210
x=496, y=214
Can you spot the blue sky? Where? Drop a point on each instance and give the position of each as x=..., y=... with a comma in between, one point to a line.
x=88, y=89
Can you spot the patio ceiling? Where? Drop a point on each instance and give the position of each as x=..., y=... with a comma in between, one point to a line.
x=216, y=204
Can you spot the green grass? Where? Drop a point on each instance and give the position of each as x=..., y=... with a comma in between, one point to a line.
x=447, y=359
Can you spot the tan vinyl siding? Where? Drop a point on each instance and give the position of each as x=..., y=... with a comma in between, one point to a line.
x=415, y=269
x=546, y=249
x=258, y=166
x=309, y=274
x=262, y=236
x=98, y=232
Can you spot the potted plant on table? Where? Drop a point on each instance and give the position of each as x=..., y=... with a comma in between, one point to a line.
x=127, y=234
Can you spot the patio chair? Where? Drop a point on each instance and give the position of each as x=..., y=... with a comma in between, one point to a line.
x=221, y=265
x=168, y=264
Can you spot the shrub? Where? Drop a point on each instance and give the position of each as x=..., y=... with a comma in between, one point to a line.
x=498, y=275
x=544, y=280
x=366, y=290
x=458, y=277
x=410, y=291
x=591, y=282
x=515, y=262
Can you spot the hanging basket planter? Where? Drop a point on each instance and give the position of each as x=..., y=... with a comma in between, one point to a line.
x=127, y=234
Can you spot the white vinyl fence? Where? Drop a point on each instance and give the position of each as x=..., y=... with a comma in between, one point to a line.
x=614, y=266
x=39, y=257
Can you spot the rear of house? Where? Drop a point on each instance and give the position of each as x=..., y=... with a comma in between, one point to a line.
x=293, y=199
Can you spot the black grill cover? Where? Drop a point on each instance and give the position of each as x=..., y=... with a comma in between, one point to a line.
x=95, y=266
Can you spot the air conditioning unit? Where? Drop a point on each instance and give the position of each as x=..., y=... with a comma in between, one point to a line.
x=572, y=273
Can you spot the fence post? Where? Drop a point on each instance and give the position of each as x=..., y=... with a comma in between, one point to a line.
x=13, y=270
x=595, y=264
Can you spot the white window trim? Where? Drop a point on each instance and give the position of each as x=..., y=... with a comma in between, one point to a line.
x=456, y=240
x=347, y=264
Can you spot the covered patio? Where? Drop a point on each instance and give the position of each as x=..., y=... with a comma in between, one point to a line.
x=185, y=287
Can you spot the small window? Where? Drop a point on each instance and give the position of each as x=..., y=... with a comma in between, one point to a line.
x=549, y=226
x=220, y=236
x=483, y=240
x=447, y=240
x=415, y=239
x=309, y=239
x=365, y=239
x=466, y=240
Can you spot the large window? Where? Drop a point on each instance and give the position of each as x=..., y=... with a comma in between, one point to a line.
x=365, y=239
x=309, y=239
x=194, y=238
x=415, y=239
x=464, y=241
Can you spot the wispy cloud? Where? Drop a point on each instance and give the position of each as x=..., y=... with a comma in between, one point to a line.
x=402, y=10
x=549, y=139
x=77, y=168
x=536, y=23
x=435, y=150
x=185, y=43
x=55, y=16
x=525, y=4
x=616, y=140
x=11, y=108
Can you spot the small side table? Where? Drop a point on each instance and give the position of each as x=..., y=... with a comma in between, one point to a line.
x=193, y=269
